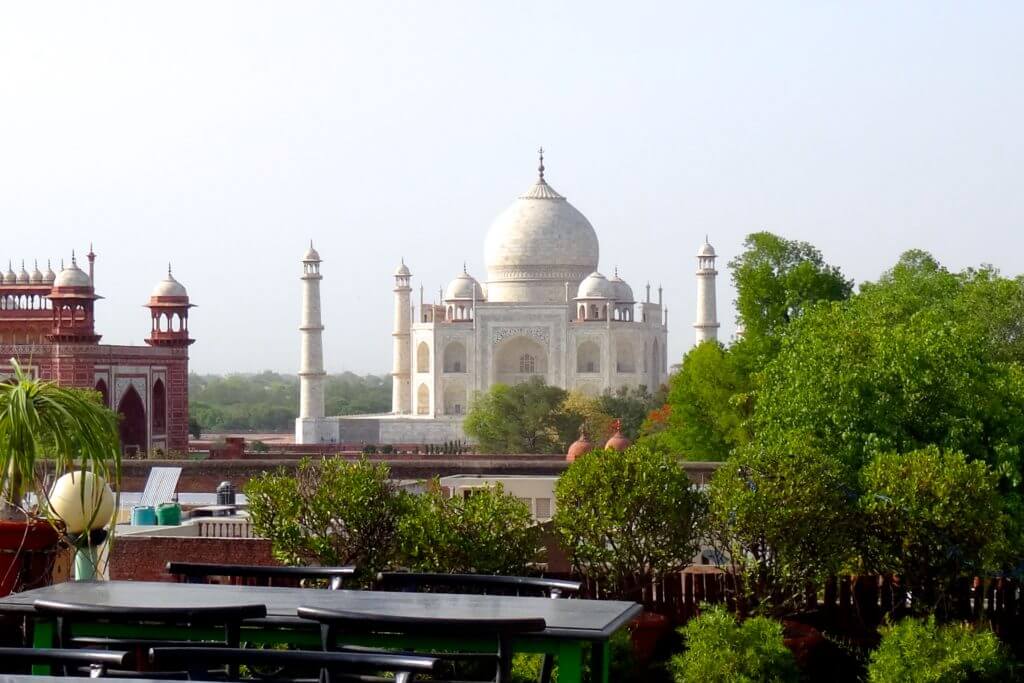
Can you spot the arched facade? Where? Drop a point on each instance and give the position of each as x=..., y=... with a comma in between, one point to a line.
x=455, y=399
x=159, y=407
x=588, y=358
x=625, y=356
x=518, y=359
x=455, y=357
x=133, y=422
x=423, y=400
x=423, y=357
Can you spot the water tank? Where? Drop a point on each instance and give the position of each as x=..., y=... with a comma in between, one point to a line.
x=143, y=515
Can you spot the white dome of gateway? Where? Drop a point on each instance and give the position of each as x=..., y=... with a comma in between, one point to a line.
x=538, y=244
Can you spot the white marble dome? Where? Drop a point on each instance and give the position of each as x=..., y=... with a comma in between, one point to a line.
x=464, y=286
x=623, y=292
x=596, y=286
x=169, y=287
x=536, y=245
x=72, y=276
x=706, y=249
x=311, y=253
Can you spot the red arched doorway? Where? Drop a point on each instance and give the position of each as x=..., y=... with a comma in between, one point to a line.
x=101, y=386
x=159, y=407
x=133, y=422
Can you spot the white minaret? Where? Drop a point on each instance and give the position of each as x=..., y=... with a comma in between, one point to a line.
x=401, y=376
x=311, y=364
x=707, y=309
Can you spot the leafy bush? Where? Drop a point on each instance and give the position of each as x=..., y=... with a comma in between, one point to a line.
x=915, y=651
x=331, y=512
x=489, y=532
x=785, y=519
x=721, y=650
x=626, y=518
x=934, y=517
x=524, y=418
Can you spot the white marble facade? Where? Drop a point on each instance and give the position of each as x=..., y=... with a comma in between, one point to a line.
x=543, y=311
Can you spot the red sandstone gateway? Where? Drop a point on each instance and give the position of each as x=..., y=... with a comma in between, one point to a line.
x=47, y=324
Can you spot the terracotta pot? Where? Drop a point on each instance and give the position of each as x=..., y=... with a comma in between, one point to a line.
x=26, y=554
x=802, y=640
x=645, y=632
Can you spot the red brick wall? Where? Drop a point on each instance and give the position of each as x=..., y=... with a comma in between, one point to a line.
x=137, y=558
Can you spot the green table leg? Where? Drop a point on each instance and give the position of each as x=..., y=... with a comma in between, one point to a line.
x=600, y=661
x=570, y=662
x=42, y=637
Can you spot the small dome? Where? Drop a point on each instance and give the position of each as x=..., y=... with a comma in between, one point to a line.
x=706, y=249
x=72, y=276
x=36, y=277
x=23, y=277
x=169, y=287
x=623, y=292
x=465, y=287
x=311, y=253
x=618, y=441
x=403, y=270
x=9, y=277
x=579, y=447
x=596, y=286
x=50, y=276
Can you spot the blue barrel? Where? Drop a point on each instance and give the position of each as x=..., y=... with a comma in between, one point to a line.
x=143, y=515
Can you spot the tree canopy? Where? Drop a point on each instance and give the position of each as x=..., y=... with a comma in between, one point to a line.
x=521, y=418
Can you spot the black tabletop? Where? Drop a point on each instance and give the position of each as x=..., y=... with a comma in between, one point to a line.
x=575, y=619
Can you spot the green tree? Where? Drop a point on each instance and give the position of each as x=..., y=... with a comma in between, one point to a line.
x=923, y=652
x=907, y=363
x=488, y=532
x=523, y=418
x=628, y=518
x=719, y=649
x=40, y=421
x=776, y=281
x=785, y=519
x=330, y=512
x=709, y=403
x=629, y=405
x=933, y=517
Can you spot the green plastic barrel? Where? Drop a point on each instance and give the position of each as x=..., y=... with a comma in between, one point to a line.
x=168, y=514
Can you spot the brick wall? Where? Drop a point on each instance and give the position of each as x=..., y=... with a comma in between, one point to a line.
x=141, y=558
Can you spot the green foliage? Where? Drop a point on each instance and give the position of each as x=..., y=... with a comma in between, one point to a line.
x=629, y=405
x=721, y=650
x=524, y=418
x=776, y=281
x=269, y=402
x=934, y=517
x=909, y=362
x=785, y=519
x=625, y=518
x=331, y=512
x=709, y=402
x=488, y=532
x=921, y=652
x=40, y=420
x=195, y=429
x=526, y=668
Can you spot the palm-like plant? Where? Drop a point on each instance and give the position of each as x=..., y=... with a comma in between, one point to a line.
x=42, y=421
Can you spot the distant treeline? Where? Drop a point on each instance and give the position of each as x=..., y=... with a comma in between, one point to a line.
x=270, y=402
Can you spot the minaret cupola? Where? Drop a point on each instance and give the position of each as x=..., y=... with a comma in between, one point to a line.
x=168, y=307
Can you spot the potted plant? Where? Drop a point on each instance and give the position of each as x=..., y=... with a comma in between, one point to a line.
x=65, y=429
x=627, y=520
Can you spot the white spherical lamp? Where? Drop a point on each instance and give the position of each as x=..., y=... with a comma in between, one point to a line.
x=91, y=511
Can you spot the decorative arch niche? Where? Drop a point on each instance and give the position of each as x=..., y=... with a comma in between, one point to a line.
x=132, y=427
x=423, y=357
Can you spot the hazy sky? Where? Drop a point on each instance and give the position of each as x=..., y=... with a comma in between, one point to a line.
x=222, y=136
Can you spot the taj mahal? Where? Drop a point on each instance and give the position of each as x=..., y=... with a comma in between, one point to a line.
x=544, y=310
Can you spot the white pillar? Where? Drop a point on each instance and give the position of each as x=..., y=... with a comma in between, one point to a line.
x=706, y=324
x=401, y=376
x=311, y=363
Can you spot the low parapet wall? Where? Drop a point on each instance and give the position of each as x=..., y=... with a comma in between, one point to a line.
x=203, y=476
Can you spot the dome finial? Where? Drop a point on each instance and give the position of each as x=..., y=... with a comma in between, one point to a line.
x=540, y=168
x=73, y=262
x=169, y=270
x=464, y=271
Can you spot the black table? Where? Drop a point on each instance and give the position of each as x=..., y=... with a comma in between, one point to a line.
x=572, y=625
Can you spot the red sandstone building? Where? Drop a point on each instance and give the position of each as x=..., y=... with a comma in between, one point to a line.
x=47, y=324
